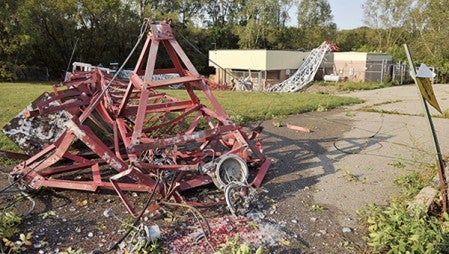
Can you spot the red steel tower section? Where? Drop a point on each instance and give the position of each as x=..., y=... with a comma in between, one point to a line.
x=100, y=132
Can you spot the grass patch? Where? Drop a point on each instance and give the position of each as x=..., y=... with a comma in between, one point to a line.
x=13, y=99
x=371, y=108
x=256, y=106
x=242, y=107
x=353, y=86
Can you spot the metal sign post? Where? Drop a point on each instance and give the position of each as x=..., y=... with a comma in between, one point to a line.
x=423, y=90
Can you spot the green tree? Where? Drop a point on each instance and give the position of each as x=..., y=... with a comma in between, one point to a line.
x=105, y=30
x=429, y=29
x=389, y=20
x=13, y=40
x=261, y=23
x=353, y=39
x=221, y=18
x=315, y=19
x=52, y=26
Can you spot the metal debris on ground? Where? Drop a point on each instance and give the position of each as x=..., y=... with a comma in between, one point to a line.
x=96, y=131
x=188, y=239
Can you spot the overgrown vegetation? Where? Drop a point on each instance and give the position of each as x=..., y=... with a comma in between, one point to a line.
x=397, y=229
x=9, y=224
x=9, y=227
x=372, y=108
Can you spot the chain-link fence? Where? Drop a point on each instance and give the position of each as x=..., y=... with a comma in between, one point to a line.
x=379, y=71
x=401, y=73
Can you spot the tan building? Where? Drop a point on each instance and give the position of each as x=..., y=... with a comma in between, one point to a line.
x=267, y=67
x=260, y=66
x=362, y=66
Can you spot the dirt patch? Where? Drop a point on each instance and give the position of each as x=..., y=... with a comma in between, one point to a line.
x=324, y=89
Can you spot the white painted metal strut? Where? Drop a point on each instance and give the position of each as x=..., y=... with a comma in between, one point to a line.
x=305, y=73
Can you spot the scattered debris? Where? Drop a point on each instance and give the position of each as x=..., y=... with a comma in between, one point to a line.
x=346, y=230
x=424, y=199
x=298, y=128
x=223, y=228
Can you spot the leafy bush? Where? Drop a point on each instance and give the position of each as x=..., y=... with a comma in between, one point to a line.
x=397, y=229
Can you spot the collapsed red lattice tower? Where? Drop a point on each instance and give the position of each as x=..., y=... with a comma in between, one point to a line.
x=133, y=136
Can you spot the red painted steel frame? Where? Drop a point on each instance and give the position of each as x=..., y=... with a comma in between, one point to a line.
x=125, y=136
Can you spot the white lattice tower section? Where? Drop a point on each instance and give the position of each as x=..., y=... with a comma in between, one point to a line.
x=305, y=73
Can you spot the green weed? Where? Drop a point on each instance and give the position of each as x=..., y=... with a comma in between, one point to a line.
x=350, y=177
x=412, y=183
x=397, y=164
x=371, y=108
x=20, y=245
x=9, y=228
x=396, y=229
x=355, y=85
x=48, y=214
x=234, y=246
x=316, y=208
x=238, y=119
x=278, y=124
x=350, y=114
x=346, y=244
x=9, y=224
x=253, y=225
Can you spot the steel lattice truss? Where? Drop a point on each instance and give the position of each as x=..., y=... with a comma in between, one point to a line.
x=133, y=136
x=305, y=74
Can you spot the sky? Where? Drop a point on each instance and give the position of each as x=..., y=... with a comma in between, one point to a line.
x=347, y=13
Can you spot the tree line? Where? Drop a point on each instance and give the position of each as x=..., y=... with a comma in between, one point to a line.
x=44, y=32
